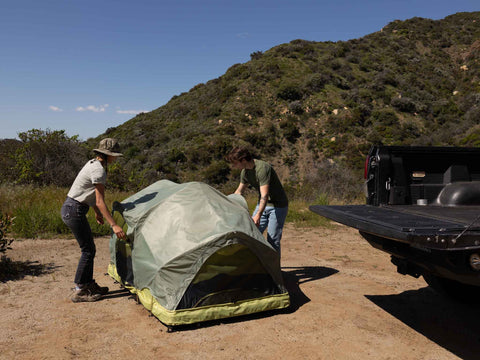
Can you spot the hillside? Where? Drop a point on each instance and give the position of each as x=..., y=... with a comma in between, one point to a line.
x=313, y=109
x=303, y=103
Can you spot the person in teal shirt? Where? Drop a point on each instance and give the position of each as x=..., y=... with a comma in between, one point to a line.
x=272, y=207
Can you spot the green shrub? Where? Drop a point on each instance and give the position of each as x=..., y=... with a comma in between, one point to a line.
x=226, y=129
x=290, y=92
x=317, y=82
x=132, y=151
x=385, y=117
x=256, y=55
x=325, y=183
x=48, y=157
x=241, y=71
x=296, y=107
x=341, y=83
x=6, y=222
x=290, y=129
x=404, y=104
x=217, y=172
x=472, y=139
x=254, y=109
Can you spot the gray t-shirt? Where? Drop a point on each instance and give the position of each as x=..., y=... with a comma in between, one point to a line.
x=83, y=188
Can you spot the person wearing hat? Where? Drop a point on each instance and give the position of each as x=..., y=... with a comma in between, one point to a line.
x=88, y=190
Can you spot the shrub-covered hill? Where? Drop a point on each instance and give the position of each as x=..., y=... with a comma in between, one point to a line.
x=307, y=105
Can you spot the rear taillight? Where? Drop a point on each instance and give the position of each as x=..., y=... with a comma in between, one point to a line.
x=367, y=161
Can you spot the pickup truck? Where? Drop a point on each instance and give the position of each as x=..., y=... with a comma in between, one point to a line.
x=423, y=208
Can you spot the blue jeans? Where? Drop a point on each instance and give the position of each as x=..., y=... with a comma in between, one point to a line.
x=74, y=215
x=273, y=219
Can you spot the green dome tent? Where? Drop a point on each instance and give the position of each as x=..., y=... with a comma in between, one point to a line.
x=194, y=254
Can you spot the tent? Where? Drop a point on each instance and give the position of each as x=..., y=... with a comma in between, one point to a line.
x=194, y=254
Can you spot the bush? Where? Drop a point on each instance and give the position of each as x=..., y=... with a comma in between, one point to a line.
x=327, y=182
x=290, y=129
x=6, y=222
x=360, y=114
x=472, y=139
x=238, y=71
x=265, y=139
x=290, y=92
x=385, y=117
x=296, y=107
x=404, y=104
x=117, y=177
x=255, y=139
x=257, y=55
x=48, y=158
x=132, y=151
x=341, y=83
x=254, y=109
x=317, y=82
x=217, y=172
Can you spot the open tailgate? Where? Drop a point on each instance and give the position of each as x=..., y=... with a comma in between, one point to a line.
x=405, y=225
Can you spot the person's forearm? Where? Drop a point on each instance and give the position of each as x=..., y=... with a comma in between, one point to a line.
x=240, y=189
x=262, y=204
x=103, y=210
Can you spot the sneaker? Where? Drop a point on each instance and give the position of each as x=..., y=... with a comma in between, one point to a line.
x=85, y=295
x=97, y=289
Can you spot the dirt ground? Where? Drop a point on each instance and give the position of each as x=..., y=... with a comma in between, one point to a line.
x=348, y=302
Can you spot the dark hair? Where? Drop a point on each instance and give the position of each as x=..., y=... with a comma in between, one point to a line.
x=238, y=154
x=102, y=155
x=104, y=159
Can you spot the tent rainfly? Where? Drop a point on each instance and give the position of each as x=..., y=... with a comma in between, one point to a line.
x=194, y=254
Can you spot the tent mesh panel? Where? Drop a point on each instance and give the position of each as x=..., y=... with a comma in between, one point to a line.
x=232, y=274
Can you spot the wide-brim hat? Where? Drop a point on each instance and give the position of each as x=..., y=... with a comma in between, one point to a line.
x=109, y=146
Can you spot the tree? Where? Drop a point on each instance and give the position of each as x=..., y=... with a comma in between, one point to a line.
x=48, y=157
x=256, y=55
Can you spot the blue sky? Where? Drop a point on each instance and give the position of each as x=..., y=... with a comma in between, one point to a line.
x=83, y=66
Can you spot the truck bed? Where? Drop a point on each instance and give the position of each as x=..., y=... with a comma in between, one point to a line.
x=422, y=208
x=438, y=227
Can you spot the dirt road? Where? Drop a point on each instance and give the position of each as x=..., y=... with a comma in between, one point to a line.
x=348, y=302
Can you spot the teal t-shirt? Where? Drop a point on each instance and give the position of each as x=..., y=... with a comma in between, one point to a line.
x=263, y=174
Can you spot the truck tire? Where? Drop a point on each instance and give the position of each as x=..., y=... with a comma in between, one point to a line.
x=453, y=289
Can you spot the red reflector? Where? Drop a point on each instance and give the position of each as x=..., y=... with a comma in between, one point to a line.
x=367, y=160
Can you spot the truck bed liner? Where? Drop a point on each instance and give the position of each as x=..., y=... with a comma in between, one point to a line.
x=456, y=214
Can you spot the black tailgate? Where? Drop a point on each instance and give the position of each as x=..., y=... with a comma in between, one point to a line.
x=398, y=224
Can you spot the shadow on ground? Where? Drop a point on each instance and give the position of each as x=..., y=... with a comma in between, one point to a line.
x=295, y=276
x=112, y=294
x=17, y=270
x=450, y=324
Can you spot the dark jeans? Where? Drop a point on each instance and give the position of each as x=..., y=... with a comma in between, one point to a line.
x=74, y=216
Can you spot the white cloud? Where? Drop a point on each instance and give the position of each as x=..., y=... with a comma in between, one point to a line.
x=100, y=108
x=243, y=35
x=131, y=112
x=55, y=108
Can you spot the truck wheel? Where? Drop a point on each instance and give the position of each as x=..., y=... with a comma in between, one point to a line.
x=453, y=289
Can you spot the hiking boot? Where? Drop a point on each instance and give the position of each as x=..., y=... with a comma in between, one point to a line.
x=97, y=289
x=85, y=295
